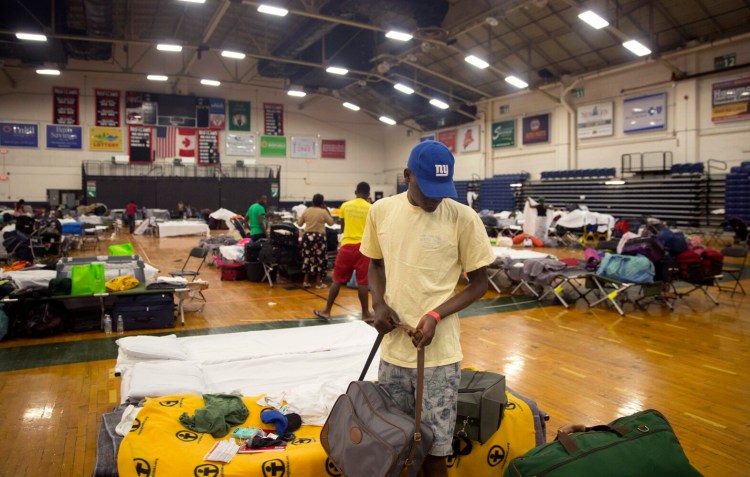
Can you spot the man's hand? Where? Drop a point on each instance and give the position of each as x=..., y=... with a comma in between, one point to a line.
x=424, y=332
x=386, y=319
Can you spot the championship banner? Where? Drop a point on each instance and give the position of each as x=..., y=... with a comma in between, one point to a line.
x=595, y=120
x=107, y=112
x=449, y=139
x=105, y=139
x=730, y=100
x=273, y=119
x=65, y=107
x=333, y=149
x=140, y=143
x=63, y=137
x=504, y=134
x=217, y=113
x=239, y=116
x=208, y=146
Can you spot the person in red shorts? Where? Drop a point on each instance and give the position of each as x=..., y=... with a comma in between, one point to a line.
x=353, y=215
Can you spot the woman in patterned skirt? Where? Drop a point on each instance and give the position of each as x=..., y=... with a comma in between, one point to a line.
x=314, y=262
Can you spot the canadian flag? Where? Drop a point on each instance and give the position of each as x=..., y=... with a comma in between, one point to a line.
x=186, y=142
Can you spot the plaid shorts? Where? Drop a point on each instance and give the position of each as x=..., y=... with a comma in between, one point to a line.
x=440, y=395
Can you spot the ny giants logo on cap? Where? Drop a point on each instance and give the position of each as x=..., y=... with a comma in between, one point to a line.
x=441, y=170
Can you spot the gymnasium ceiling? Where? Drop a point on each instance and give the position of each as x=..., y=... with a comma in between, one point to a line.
x=539, y=41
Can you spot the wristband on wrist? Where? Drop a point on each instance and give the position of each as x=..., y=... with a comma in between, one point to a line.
x=435, y=315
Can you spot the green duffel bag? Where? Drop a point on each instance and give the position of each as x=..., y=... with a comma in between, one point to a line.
x=642, y=445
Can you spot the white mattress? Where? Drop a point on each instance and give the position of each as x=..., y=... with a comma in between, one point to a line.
x=183, y=227
x=306, y=367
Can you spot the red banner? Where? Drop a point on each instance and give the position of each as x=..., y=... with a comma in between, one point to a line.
x=65, y=107
x=449, y=139
x=333, y=149
x=107, y=108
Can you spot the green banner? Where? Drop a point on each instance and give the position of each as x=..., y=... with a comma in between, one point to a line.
x=91, y=189
x=504, y=133
x=273, y=146
x=239, y=115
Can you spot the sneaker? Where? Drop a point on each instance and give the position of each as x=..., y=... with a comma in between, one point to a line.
x=321, y=285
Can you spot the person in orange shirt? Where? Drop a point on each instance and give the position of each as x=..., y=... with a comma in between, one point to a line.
x=349, y=260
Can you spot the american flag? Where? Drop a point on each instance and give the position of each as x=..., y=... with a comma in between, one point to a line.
x=165, y=141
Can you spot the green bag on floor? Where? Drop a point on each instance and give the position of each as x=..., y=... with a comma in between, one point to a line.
x=121, y=249
x=87, y=279
x=642, y=445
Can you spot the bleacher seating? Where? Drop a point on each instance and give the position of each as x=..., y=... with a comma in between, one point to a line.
x=579, y=174
x=737, y=192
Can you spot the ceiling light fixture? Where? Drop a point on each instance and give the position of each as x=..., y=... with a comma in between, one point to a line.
x=296, y=93
x=614, y=182
x=278, y=11
x=193, y=1
x=637, y=48
x=439, y=104
x=157, y=78
x=48, y=71
x=31, y=36
x=337, y=70
x=478, y=62
x=516, y=185
x=398, y=35
x=593, y=19
x=517, y=82
x=210, y=82
x=403, y=88
x=351, y=106
x=233, y=54
x=168, y=47
x=387, y=120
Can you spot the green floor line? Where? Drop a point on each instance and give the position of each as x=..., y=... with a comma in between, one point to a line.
x=54, y=354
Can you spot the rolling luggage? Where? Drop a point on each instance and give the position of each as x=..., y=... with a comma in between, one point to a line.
x=691, y=266
x=481, y=401
x=641, y=444
x=233, y=271
x=145, y=311
x=712, y=262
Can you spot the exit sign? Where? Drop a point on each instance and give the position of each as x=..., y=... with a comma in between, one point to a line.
x=725, y=61
x=576, y=93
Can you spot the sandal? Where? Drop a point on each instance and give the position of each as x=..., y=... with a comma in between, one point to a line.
x=320, y=315
x=306, y=285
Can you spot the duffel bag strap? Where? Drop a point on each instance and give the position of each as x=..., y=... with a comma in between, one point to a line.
x=417, y=415
x=372, y=355
x=570, y=447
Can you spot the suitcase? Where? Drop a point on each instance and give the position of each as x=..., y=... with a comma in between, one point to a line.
x=481, y=402
x=144, y=311
x=641, y=444
x=691, y=266
x=254, y=271
x=232, y=271
x=649, y=247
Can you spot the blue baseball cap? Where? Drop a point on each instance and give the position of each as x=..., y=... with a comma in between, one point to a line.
x=432, y=164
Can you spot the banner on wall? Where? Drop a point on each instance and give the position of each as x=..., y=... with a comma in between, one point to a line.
x=536, y=129
x=65, y=107
x=333, y=149
x=595, y=120
x=239, y=144
x=64, y=137
x=139, y=143
x=19, y=135
x=239, y=116
x=730, y=100
x=448, y=138
x=304, y=147
x=208, y=146
x=185, y=142
x=107, y=107
x=273, y=119
x=468, y=139
x=427, y=138
x=645, y=113
x=504, y=133
x=217, y=113
x=105, y=139
x=273, y=146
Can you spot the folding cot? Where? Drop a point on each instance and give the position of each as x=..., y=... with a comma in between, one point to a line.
x=506, y=259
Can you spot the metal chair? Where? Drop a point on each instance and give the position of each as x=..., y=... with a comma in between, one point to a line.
x=733, y=268
x=197, y=254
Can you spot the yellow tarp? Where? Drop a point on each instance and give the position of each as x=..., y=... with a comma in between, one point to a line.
x=158, y=445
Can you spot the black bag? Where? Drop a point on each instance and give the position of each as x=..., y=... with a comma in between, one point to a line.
x=481, y=402
x=38, y=319
x=145, y=311
x=252, y=250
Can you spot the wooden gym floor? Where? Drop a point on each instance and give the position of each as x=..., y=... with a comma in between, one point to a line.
x=580, y=365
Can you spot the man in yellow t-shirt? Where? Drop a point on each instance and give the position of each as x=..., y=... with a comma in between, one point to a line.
x=353, y=215
x=418, y=243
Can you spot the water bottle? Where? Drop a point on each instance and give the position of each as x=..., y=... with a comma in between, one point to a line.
x=120, y=325
x=107, y=324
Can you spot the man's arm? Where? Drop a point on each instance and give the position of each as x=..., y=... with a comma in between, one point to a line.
x=385, y=317
x=262, y=223
x=472, y=292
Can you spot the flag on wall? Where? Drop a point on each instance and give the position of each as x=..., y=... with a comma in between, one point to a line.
x=165, y=141
x=186, y=142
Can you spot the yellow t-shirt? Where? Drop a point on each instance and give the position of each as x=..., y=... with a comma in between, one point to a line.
x=354, y=214
x=424, y=253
